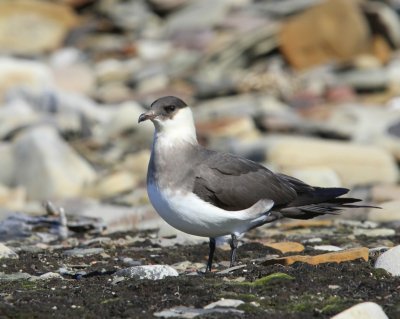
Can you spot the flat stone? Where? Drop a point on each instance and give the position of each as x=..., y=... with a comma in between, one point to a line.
x=48, y=23
x=390, y=212
x=334, y=257
x=327, y=248
x=6, y=252
x=14, y=276
x=365, y=310
x=307, y=224
x=286, y=247
x=188, y=312
x=390, y=261
x=355, y=164
x=44, y=158
x=152, y=272
x=49, y=276
x=225, y=303
x=82, y=252
x=378, y=232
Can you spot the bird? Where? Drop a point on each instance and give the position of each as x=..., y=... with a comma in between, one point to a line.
x=213, y=194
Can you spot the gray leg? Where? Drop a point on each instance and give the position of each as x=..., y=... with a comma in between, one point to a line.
x=233, y=243
x=211, y=254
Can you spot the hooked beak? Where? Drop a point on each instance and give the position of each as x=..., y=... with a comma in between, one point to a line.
x=149, y=115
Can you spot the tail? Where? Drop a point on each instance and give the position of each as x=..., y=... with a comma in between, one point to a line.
x=313, y=202
x=320, y=201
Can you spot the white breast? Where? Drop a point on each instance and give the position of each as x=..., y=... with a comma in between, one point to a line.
x=188, y=213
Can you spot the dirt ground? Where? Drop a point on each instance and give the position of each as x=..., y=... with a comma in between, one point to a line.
x=296, y=291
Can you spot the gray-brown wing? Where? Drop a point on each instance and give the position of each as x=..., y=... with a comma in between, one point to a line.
x=235, y=183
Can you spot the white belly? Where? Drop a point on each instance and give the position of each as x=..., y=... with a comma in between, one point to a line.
x=188, y=213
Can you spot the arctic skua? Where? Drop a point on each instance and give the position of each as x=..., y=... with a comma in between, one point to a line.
x=212, y=194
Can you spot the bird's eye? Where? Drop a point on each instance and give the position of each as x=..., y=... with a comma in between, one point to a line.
x=169, y=108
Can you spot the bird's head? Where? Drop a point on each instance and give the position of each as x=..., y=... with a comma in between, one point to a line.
x=170, y=116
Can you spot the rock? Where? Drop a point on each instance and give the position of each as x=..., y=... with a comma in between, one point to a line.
x=390, y=261
x=50, y=276
x=239, y=127
x=365, y=310
x=82, y=252
x=16, y=72
x=305, y=46
x=354, y=164
x=327, y=248
x=390, y=212
x=188, y=266
x=6, y=252
x=21, y=21
x=225, y=303
x=197, y=15
x=286, y=247
x=307, y=224
x=6, y=163
x=152, y=272
x=137, y=164
x=365, y=80
x=71, y=72
x=378, y=232
x=335, y=257
x=321, y=176
x=112, y=185
x=14, y=198
x=44, y=159
x=385, y=193
x=15, y=276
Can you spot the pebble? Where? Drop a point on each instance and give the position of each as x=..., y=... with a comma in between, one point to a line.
x=390, y=261
x=6, y=252
x=327, y=248
x=378, y=232
x=188, y=312
x=365, y=310
x=152, y=272
x=82, y=252
x=225, y=303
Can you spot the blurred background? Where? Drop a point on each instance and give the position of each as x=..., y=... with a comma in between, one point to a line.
x=309, y=88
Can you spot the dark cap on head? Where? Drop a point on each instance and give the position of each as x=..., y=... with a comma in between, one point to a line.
x=169, y=101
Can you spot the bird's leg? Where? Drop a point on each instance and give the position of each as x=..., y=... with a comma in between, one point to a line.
x=211, y=254
x=233, y=243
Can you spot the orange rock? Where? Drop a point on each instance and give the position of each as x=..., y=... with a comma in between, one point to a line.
x=286, y=246
x=335, y=257
x=333, y=30
x=307, y=224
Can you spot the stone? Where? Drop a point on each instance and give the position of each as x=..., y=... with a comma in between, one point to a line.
x=385, y=193
x=378, y=232
x=327, y=248
x=390, y=212
x=71, y=72
x=286, y=247
x=44, y=159
x=112, y=185
x=365, y=310
x=21, y=21
x=152, y=272
x=50, y=276
x=355, y=164
x=334, y=257
x=137, y=163
x=197, y=15
x=82, y=252
x=225, y=303
x=365, y=79
x=14, y=276
x=12, y=198
x=187, y=266
x=307, y=224
x=6, y=163
x=390, y=261
x=16, y=72
x=188, y=312
x=321, y=176
x=6, y=252
x=305, y=46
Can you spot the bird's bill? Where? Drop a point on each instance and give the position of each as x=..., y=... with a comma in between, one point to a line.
x=149, y=115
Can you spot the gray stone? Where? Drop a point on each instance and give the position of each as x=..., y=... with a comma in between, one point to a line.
x=327, y=248
x=82, y=252
x=14, y=276
x=365, y=310
x=44, y=159
x=188, y=312
x=390, y=261
x=152, y=272
x=225, y=303
x=365, y=79
x=49, y=276
x=6, y=252
x=378, y=232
